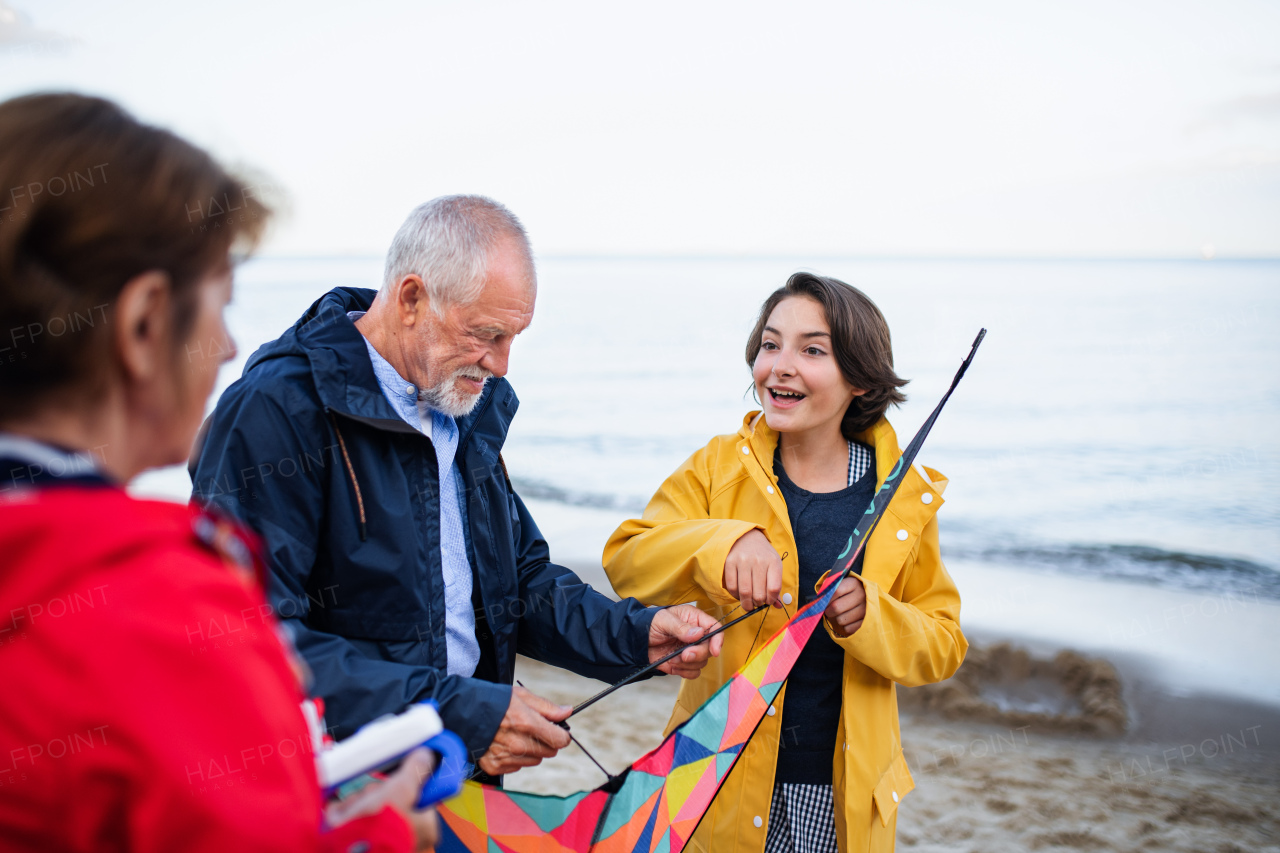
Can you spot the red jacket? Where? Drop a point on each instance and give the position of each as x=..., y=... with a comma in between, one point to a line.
x=148, y=704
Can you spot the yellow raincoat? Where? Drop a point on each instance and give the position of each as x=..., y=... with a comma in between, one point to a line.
x=911, y=633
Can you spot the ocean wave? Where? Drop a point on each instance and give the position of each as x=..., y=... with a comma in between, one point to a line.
x=544, y=491
x=1142, y=563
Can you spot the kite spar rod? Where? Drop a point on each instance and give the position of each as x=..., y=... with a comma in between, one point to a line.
x=876, y=510
x=660, y=661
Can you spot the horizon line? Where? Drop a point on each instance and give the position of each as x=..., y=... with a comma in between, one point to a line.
x=792, y=256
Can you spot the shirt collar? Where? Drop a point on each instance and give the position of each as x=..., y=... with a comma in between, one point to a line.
x=388, y=377
x=41, y=462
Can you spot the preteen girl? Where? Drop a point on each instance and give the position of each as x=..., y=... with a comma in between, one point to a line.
x=759, y=516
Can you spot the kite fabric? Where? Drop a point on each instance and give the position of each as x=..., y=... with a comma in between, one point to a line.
x=656, y=804
x=663, y=795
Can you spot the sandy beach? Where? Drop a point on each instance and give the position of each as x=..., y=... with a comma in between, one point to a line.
x=1204, y=775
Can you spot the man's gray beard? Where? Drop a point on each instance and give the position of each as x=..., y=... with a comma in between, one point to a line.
x=447, y=400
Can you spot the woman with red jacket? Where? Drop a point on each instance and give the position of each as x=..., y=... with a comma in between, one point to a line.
x=150, y=702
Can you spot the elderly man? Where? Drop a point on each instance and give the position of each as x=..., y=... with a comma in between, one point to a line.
x=363, y=445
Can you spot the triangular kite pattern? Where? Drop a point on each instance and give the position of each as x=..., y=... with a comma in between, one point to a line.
x=673, y=784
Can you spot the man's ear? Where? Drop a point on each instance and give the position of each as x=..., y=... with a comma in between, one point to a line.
x=411, y=299
x=143, y=333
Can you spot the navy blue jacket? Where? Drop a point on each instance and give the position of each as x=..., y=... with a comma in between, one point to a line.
x=305, y=448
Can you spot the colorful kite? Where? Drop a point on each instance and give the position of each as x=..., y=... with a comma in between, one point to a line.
x=656, y=804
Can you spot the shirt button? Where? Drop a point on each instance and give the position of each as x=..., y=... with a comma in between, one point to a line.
x=409, y=389
x=744, y=453
x=902, y=535
x=771, y=711
x=757, y=821
x=786, y=598
x=769, y=489
x=895, y=796
x=926, y=498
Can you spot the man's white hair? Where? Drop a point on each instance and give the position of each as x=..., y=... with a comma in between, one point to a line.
x=447, y=241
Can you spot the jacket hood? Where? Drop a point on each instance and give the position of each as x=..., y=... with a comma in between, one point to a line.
x=338, y=359
x=326, y=311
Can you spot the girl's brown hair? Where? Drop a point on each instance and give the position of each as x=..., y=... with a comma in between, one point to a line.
x=859, y=340
x=89, y=199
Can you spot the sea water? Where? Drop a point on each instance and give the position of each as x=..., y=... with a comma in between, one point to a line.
x=1121, y=418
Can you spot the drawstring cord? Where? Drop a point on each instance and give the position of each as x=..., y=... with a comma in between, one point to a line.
x=351, y=471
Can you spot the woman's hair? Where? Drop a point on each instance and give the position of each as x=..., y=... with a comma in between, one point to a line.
x=859, y=340
x=89, y=199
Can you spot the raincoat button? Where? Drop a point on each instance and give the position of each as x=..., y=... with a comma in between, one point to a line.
x=895, y=796
x=786, y=598
x=926, y=498
x=771, y=711
x=745, y=451
x=757, y=821
x=769, y=489
x=902, y=535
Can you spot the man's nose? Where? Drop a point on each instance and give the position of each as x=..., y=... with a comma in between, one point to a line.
x=497, y=357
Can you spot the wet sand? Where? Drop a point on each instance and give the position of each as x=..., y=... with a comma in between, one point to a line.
x=990, y=788
x=1074, y=761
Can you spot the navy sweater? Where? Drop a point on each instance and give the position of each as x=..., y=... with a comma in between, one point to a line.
x=821, y=523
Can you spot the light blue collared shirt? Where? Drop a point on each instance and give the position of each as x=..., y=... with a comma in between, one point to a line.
x=461, y=647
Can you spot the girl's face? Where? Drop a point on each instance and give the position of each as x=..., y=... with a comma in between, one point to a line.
x=796, y=375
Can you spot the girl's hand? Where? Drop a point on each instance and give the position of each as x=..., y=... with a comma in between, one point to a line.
x=848, y=608
x=753, y=571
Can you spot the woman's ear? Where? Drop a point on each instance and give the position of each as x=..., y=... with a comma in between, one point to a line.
x=143, y=332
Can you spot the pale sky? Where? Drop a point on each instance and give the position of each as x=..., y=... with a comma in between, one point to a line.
x=910, y=128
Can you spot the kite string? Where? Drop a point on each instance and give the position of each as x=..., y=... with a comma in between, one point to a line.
x=578, y=743
x=582, y=706
x=724, y=626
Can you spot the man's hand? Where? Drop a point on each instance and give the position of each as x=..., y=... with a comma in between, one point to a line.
x=848, y=608
x=399, y=791
x=677, y=626
x=527, y=735
x=753, y=571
